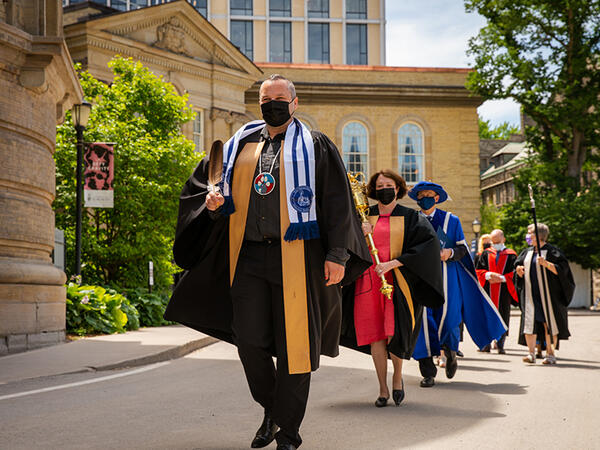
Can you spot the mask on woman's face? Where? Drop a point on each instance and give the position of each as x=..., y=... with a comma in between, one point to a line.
x=528, y=239
x=385, y=195
x=426, y=203
x=276, y=112
x=487, y=245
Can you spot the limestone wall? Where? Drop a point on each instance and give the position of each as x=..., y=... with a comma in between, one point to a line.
x=37, y=85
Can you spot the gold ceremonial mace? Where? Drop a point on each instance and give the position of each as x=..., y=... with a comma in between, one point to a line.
x=359, y=194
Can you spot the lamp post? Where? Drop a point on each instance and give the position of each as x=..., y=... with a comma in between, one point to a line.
x=81, y=114
x=476, y=229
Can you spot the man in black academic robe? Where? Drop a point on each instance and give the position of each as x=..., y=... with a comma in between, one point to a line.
x=240, y=270
x=543, y=305
x=417, y=282
x=495, y=270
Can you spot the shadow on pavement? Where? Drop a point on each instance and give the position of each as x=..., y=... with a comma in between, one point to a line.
x=498, y=388
x=575, y=366
x=486, y=359
x=481, y=368
x=205, y=403
x=578, y=360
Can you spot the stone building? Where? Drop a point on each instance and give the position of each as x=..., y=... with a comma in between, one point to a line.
x=291, y=31
x=37, y=85
x=421, y=122
x=176, y=42
x=497, y=186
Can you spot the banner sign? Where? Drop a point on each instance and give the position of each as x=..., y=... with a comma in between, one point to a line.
x=98, y=175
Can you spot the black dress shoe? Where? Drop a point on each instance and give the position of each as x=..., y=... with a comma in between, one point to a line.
x=398, y=395
x=459, y=353
x=381, y=402
x=427, y=382
x=451, y=363
x=501, y=351
x=265, y=434
x=286, y=447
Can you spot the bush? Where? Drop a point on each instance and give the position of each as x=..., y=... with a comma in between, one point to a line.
x=143, y=115
x=151, y=306
x=94, y=309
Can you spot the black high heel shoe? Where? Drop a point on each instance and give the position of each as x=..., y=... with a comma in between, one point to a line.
x=381, y=402
x=398, y=395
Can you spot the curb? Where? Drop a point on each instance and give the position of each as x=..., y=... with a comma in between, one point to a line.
x=165, y=355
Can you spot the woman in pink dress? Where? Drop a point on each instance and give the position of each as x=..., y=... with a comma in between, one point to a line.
x=408, y=249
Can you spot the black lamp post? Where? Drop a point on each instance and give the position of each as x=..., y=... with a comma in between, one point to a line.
x=81, y=114
x=476, y=229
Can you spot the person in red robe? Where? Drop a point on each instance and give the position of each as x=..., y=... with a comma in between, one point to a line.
x=495, y=269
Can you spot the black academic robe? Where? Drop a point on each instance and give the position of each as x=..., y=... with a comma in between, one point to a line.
x=201, y=299
x=560, y=288
x=421, y=272
x=502, y=294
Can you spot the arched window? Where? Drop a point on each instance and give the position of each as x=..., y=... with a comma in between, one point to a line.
x=411, y=153
x=355, y=148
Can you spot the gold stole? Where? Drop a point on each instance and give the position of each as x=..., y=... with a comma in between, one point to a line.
x=396, y=243
x=292, y=254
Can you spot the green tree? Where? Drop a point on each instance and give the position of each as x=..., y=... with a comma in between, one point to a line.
x=502, y=131
x=572, y=215
x=545, y=54
x=143, y=116
x=491, y=217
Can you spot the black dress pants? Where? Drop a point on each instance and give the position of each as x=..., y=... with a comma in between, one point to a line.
x=427, y=367
x=259, y=331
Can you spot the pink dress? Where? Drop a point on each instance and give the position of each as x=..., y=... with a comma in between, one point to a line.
x=373, y=313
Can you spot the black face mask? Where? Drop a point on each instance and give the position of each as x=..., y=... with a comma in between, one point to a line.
x=487, y=245
x=276, y=112
x=385, y=195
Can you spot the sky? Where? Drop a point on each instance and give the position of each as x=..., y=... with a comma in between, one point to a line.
x=435, y=33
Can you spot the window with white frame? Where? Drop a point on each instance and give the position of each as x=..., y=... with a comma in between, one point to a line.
x=411, y=154
x=199, y=131
x=355, y=148
x=318, y=8
x=240, y=7
x=280, y=8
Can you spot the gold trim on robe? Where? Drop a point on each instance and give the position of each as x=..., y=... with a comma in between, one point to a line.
x=295, y=300
x=243, y=179
x=396, y=244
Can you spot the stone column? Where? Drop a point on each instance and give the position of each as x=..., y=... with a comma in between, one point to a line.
x=37, y=85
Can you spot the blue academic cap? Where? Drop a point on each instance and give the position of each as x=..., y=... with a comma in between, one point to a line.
x=428, y=186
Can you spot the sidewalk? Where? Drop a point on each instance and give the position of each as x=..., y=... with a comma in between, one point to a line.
x=115, y=351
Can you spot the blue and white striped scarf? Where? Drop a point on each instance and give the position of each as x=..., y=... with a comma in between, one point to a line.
x=299, y=166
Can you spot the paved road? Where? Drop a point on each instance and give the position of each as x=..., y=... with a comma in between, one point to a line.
x=201, y=401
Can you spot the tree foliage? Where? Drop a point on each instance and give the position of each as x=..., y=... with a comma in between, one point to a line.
x=573, y=216
x=502, y=131
x=143, y=116
x=491, y=217
x=545, y=54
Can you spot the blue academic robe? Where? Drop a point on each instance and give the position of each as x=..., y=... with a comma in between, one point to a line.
x=465, y=300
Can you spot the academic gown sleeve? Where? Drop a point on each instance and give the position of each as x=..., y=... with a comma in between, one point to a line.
x=482, y=267
x=509, y=274
x=566, y=283
x=339, y=224
x=194, y=225
x=520, y=281
x=421, y=261
x=201, y=298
